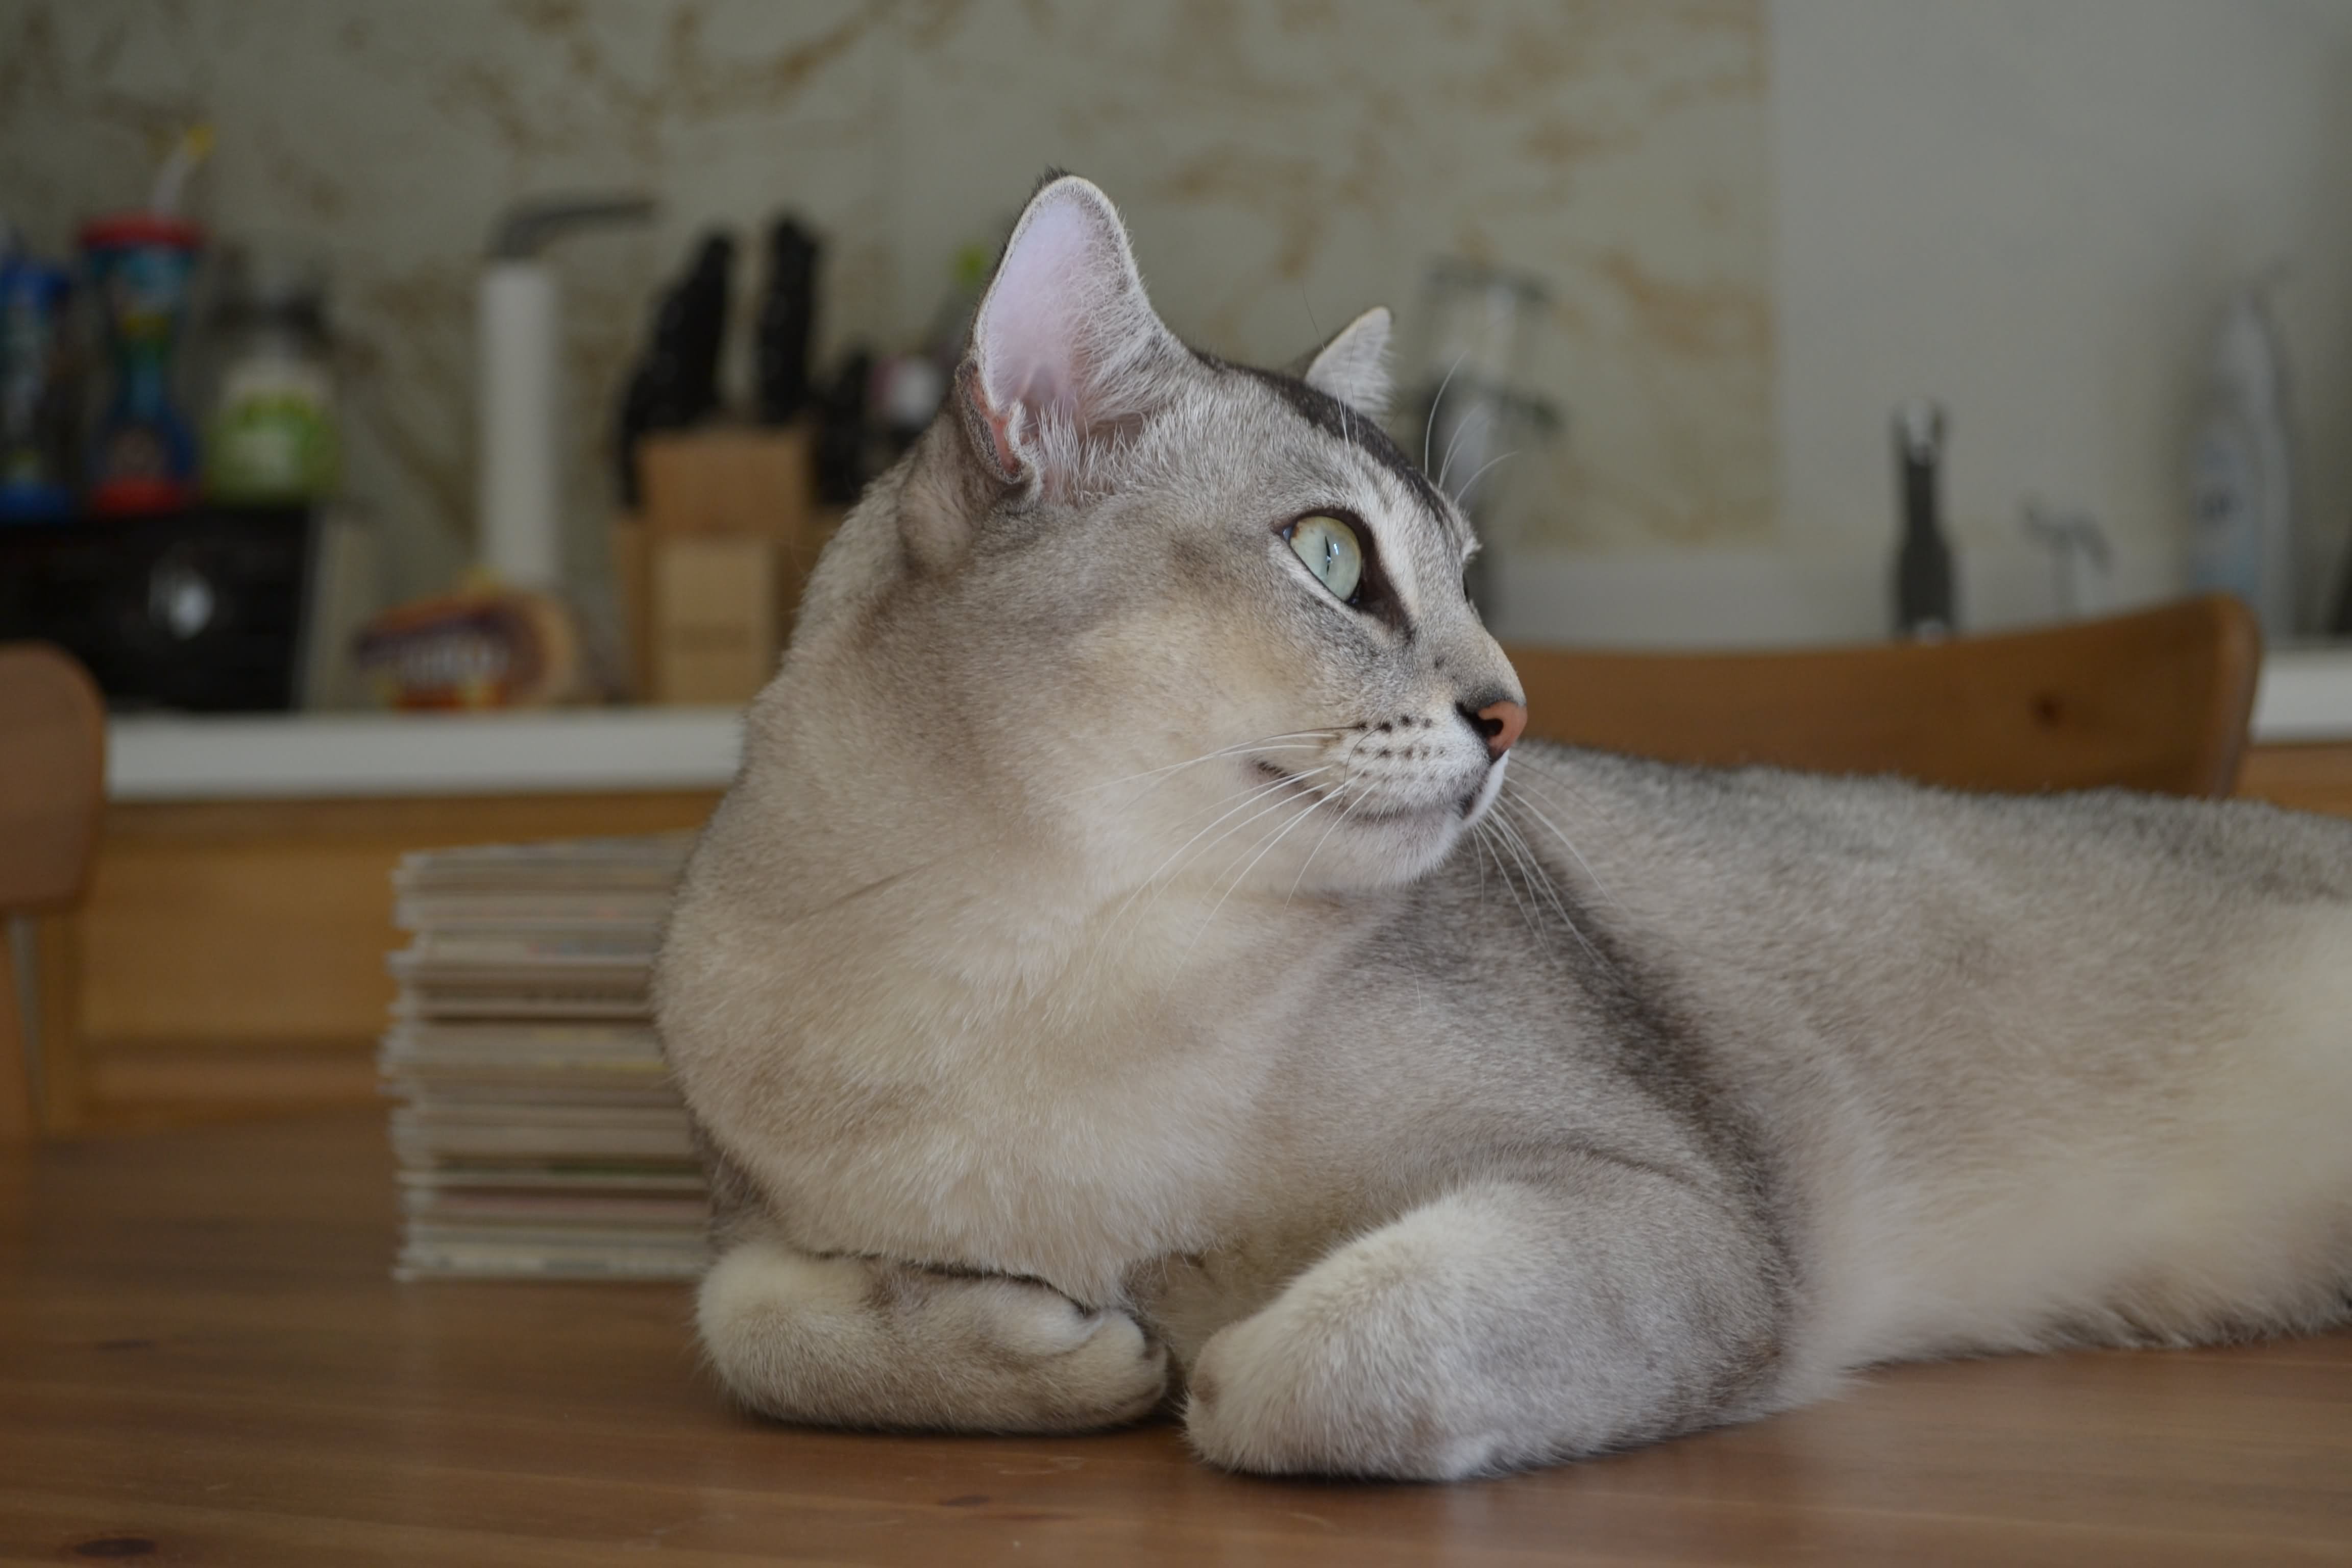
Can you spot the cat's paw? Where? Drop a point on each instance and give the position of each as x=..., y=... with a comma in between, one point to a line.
x=858, y=1342
x=1088, y=1368
x=1347, y=1373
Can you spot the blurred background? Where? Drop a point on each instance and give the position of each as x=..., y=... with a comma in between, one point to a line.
x=1733, y=236
x=421, y=417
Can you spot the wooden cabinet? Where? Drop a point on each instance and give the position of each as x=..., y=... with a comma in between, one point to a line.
x=229, y=956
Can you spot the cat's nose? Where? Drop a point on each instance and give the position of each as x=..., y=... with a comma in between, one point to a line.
x=1502, y=723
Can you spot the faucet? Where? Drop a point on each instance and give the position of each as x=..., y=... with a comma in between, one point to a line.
x=2078, y=549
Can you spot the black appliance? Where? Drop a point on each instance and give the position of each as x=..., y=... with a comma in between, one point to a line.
x=199, y=610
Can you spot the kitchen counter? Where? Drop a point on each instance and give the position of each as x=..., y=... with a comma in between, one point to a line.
x=180, y=756
x=229, y=954
x=2305, y=696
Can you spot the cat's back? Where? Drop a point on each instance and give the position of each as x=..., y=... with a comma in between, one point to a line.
x=1933, y=935
x=1723, y=852
x=2002, y=1053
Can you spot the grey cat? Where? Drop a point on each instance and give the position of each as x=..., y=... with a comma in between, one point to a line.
x=1136, y=966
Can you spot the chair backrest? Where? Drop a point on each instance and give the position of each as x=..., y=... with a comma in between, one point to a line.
x=52, y=789
x=2158, y=701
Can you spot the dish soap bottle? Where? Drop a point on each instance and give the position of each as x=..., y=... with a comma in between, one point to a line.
x=271, y=438
x=2242, y=473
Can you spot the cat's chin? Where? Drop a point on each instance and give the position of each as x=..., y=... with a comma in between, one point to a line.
x=1419, y=839
x=1366, y=850
x=1390, y=849
x=1447, y=817
x=1440, y=818
x=1463, y=807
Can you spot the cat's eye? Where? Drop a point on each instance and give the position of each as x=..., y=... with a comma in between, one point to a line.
x=1331, y=550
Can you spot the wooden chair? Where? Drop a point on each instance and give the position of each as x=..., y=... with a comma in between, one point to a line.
x=52, y=785
x=2158, y=701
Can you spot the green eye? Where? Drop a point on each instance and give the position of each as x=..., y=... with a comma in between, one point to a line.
x=1331, y=552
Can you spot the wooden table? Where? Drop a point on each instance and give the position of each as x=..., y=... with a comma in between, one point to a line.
x=202, y=1359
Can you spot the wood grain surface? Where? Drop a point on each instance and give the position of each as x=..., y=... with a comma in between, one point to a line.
x=229, y=958
x=203, y=1360
x=2311, y=776
x=2157, y=699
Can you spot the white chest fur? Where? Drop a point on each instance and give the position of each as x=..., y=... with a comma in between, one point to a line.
x=1049, y=1119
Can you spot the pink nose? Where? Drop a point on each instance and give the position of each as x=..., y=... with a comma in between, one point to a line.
x=1502, y=723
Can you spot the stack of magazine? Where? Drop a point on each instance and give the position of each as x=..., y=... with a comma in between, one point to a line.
x=537, y=1131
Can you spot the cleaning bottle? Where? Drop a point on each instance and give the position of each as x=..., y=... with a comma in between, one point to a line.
x=2242, y=473
x=270, y=440
x=38, y=397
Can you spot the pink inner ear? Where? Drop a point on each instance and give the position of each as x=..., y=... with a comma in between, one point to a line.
x=1028, y=348
x=998, y=425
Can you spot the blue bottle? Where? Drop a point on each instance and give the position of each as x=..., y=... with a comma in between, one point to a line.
x=37, y=397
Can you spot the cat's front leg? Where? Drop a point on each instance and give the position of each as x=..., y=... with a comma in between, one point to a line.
x=1507, y=1324
x=854, y=1341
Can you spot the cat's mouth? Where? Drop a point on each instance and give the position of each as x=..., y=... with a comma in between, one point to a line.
x=1465, y=805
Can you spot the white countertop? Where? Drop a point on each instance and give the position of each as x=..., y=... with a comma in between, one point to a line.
x=2306, y=695
x=174, y=756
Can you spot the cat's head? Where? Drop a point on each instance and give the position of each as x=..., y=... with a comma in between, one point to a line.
x=1198, y=621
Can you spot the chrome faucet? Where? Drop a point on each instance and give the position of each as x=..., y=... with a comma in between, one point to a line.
x=2079, y=551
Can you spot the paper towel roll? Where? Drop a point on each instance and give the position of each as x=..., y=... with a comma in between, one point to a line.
x=519, y=505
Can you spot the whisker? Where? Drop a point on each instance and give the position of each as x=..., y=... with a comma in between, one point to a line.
x=1512, y=887
x=1534, y=869
x=1157, y=882
x=1430, y=423
x=1305, y=741
x=1255, y=817
x=1559, y=790
x=1153, y=884
x=1455, y=440
x=1149, y=791
x=1337, y=824
x=1463, y=500
x=1242, y=875
x=1265, y=787
x=1249, y=799
x=1520, y=798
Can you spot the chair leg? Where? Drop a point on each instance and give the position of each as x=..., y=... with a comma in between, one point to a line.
x=19, y=1118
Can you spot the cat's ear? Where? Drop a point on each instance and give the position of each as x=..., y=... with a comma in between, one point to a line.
x=1065, y=348
x=1353, y=366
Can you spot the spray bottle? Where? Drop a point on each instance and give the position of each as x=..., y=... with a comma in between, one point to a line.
x=2241, y=472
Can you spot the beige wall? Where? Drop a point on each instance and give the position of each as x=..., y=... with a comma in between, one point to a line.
x=2036, y=210
x=1763, y=220
x=1283, y=166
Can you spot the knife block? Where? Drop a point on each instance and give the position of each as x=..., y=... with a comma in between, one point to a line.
x=712, y=568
